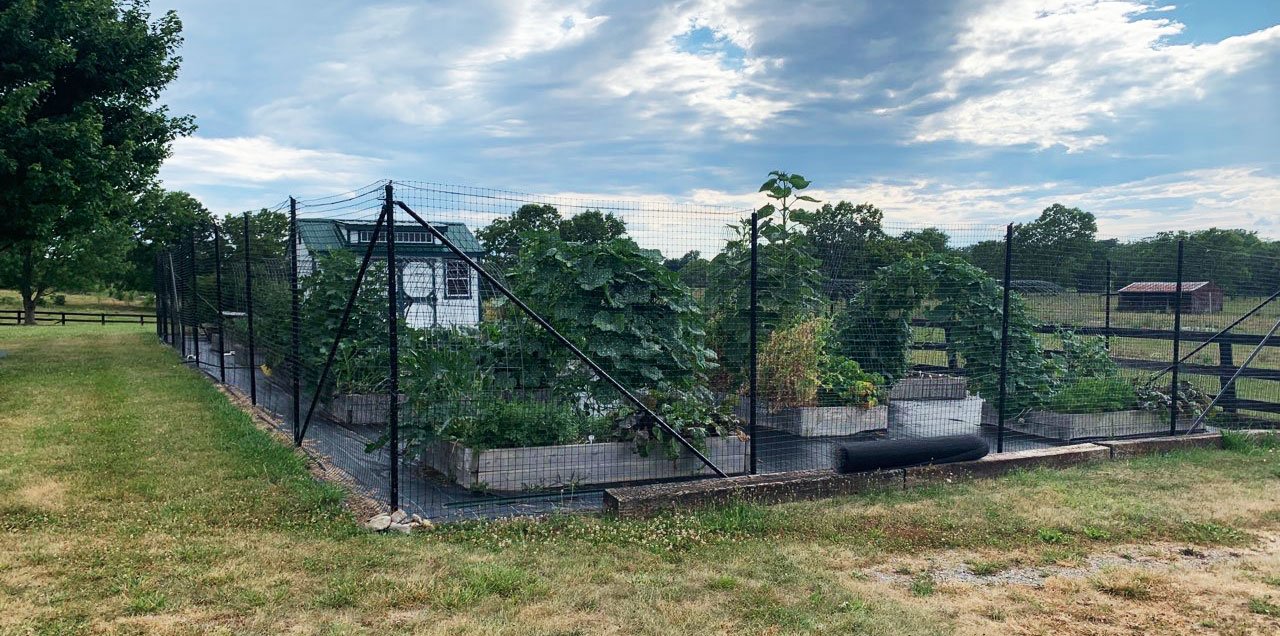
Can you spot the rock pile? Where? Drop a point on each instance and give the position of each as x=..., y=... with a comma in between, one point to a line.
x=398, y=521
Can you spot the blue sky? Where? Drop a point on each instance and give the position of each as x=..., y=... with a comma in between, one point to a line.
x=1152, y=115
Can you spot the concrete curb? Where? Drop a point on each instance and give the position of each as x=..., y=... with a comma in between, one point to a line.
x=1003, y=463
x=1126, y=448
x=643, y=501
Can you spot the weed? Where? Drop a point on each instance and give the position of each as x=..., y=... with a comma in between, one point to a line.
x=1128, y=584
x=988, y=568
x=923, y=585
x=1264, y=606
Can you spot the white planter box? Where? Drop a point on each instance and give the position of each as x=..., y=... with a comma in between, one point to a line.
x=936, y=414
x=575, y=464
x=1070, y=426
x=937, y=388
x=364, y=409
x=825, y=421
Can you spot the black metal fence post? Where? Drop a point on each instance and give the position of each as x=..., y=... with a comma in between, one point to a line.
x=180, y=310
x=1107, y=317
x=155, y=286
x=295, y=345
x=248, y=315
x=1177, y=341
x=754, y=337
x=217, y=295
x=1004, y=337
x=195, y=305
x=393, y=345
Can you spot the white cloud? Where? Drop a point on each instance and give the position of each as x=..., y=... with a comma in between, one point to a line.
x=715, y=88
x=231, y=173
x=1048, y=72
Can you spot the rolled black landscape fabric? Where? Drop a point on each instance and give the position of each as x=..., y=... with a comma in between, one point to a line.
x=853, y=457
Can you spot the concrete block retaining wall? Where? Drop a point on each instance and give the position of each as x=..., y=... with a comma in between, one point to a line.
x=641, y=501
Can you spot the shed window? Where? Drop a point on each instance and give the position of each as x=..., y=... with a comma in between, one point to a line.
x=457, y=279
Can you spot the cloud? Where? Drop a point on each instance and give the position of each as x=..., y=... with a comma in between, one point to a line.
x=698, y=64
x=1050, y=72
x=259, y=160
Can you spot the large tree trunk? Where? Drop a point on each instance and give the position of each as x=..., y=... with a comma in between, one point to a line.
x=27, y=286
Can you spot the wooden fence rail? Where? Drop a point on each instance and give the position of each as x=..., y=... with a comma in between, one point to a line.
x=1223, y=370
x=64, y=317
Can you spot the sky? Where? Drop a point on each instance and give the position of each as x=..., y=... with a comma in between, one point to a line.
x=1152, y=115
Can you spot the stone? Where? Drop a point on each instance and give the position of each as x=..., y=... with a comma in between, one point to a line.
x=379, y=522
x=398, y=516
x=402, y=528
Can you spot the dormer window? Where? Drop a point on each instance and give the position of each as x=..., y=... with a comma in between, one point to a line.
x=421, y=237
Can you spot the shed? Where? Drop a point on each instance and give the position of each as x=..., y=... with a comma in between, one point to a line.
x=1199, y=297
x=437, y=288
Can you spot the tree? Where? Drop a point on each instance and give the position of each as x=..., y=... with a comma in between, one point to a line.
x=849, y=241
x=268, y=235
x=930, y=240
x=501, y=239
x=81, y=134
x=1056, y=246
x=591, y=227
x=163, y=219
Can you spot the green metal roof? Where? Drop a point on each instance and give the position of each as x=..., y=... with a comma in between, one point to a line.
x=326, y=235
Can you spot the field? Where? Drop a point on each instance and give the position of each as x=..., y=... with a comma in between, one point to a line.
x=140, y=303
x=135, y=498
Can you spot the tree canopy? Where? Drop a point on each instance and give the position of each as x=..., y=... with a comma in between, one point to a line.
x=81, y=134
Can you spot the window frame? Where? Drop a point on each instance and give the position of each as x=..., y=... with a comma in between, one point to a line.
x=465, y=278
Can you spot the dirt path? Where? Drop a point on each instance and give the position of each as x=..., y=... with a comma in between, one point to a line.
x=1161, y=588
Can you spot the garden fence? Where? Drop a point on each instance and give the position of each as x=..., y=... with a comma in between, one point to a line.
x=502, y=354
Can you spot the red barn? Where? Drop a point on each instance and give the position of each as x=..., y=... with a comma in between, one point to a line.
x=1200, y=297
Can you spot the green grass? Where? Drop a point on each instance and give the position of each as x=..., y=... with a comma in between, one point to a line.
x=135, y=498
x=11, y=300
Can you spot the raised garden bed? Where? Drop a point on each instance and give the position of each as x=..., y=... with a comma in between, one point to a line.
x=929, y=387
x=1072, y=426
x=828, y=421
x=364, y=409
x=529, y=468
x=936, y=413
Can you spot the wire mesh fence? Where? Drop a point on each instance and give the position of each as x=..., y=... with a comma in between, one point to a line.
x=463, y=352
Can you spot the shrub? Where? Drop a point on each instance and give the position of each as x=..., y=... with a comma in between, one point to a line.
x=60, y=300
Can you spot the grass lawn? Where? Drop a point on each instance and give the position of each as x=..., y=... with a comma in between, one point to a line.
x=134, y=498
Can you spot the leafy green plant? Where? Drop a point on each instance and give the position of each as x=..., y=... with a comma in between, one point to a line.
x=798, y=369
x=620, y=305
x=1087, y=356
x=1094, y=395
x=789, y=278
x=875, y=328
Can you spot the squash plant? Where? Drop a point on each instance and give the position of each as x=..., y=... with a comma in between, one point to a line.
x=621, y=306
x=875, y=328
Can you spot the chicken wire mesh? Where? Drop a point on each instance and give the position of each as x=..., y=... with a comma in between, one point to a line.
x=522, y=353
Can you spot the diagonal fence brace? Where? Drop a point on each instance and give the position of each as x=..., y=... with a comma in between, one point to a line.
x=542, y=322
x=342, y=325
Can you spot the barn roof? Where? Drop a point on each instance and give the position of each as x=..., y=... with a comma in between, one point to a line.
x=331, y=234
x=1164, y=288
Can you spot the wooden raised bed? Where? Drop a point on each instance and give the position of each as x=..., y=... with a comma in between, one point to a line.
x=364, y=409
x=941, y=387
x=575, y=464
x=1073, y=426
x=828, y=421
